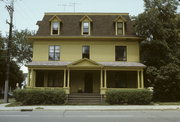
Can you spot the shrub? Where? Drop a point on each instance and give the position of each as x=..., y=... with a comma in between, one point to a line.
x=40, y=96
x=128, y=96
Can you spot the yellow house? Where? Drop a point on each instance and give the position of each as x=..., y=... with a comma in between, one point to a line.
x=86, y=52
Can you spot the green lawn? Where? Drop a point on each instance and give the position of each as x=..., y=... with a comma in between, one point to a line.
x=1, y=101
x=11, y=100
x=168, y=103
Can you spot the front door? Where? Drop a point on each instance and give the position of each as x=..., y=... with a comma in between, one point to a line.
x=88, y=82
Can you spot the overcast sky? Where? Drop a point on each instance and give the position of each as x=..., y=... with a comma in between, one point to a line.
x=28, y=12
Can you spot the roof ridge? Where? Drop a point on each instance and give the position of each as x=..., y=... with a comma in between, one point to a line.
x=85, y=13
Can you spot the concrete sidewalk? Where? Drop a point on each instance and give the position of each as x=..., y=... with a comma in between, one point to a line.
x=91, y=107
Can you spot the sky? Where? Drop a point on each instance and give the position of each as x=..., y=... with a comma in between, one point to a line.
x=28, y=12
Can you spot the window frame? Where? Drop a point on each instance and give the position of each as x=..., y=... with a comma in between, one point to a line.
x=82, y=28
x=123, y=28
x=119, y=58
x=84, y=54
x=52, y=27
x=54, y=53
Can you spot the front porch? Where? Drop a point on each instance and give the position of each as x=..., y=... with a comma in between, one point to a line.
x=86, y=76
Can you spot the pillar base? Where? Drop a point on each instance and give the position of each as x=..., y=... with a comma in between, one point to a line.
x=103, y=91
x=67, y=90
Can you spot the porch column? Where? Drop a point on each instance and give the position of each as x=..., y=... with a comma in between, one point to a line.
x=64, y=85
x=105, y=79
x=142, y=79
x=33, y=81
x=68, y=78
x=138, y=79
x=31, y=78
x=45, y=78
x=101, y=79
x=28, y=82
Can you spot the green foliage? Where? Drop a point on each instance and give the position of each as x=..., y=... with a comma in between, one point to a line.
x=167, y=83
x=129, y=96
x=40, y=96
x=160, y=51
x=21, y=46
x=21, y=52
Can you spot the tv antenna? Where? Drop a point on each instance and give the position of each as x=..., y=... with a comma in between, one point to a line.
x=74, y=5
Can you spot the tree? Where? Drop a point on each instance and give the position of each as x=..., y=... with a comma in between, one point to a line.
x=21, y=52
x=21, y=47
x=158, y=25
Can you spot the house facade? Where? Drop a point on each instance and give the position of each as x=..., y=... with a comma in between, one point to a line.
x=85, y=52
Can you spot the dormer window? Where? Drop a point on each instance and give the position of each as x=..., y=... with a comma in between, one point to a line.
x=85, y=25
x=120, y=25
x=86, y=28
x=120, y=28
x=55, y=25
x=55, y=28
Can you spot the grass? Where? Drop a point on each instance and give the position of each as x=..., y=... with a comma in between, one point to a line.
x=1, y=101
x=39, y=108
x=14, y=104
x=168, y=103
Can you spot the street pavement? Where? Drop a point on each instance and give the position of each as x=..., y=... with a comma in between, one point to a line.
x=91, y=116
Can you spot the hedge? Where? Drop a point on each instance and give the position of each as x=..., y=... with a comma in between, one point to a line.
x=129, y=96
x=40, y=96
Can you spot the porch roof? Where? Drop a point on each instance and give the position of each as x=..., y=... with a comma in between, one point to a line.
x=64, y=64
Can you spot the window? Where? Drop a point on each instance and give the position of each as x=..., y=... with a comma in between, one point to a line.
x=119, y=28
x=54, y=53
x=55, y=28
x=85, y=28
x=120, y=53
x=85, y=52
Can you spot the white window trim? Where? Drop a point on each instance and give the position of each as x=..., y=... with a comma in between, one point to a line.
x=88, y=27
x=123, y=28
x=58, y=28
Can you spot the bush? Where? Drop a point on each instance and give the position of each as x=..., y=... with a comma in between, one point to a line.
x=129, y=96
x=40, y=96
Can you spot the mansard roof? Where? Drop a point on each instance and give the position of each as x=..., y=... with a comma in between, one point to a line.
x=102, y=24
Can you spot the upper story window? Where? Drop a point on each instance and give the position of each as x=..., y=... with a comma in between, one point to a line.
x=120, y=53
x=85, y=25
x=54, y=53
x=55, y=25
x=85, y=52
x=120, y=28
x=86, y=28
x=120, y=25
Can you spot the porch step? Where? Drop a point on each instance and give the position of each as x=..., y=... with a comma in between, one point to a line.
x=85, y=98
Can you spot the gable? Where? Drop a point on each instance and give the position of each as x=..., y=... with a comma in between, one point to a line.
x=86, y=18
x=84, y=63
x=120, y=19
x=55, y=18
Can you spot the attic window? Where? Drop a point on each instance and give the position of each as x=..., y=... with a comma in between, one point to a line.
x=55, y=25
x=120, y=28
x=86, y=25
x=120, y=25
x=86, y=28
x=55, y=28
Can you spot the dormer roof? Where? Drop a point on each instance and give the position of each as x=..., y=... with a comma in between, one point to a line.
x=120, y=19
x=86, y=18
x=56, y=18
